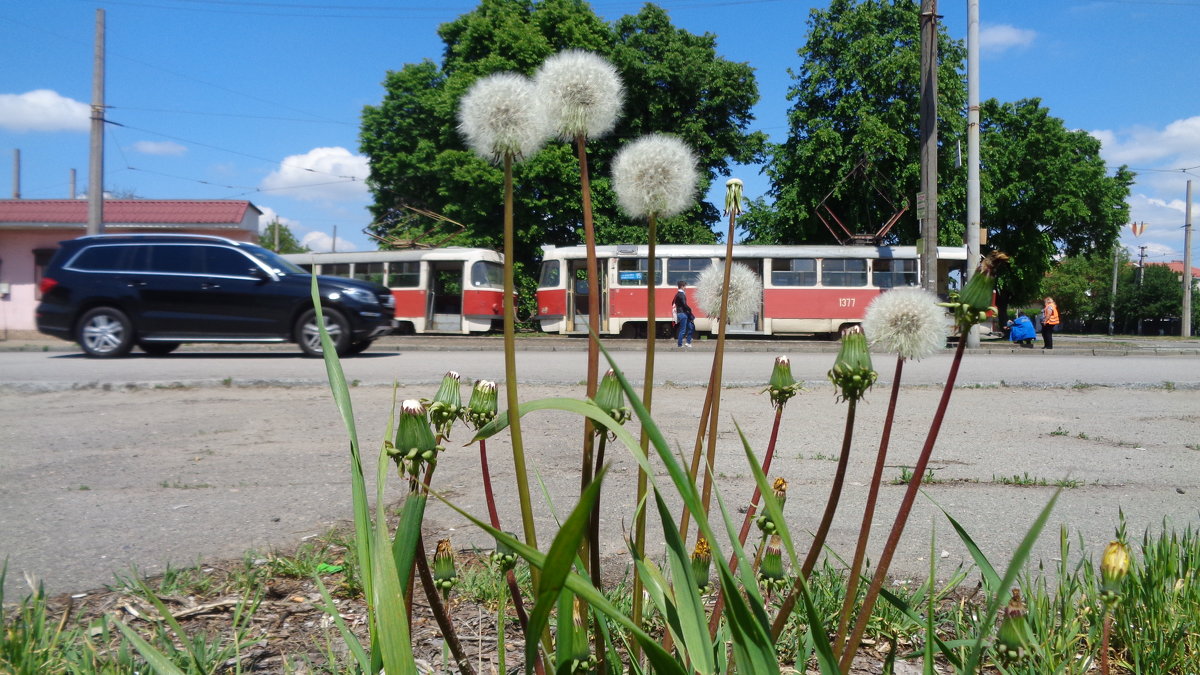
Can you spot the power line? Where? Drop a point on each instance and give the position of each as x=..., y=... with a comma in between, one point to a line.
x=234, y=115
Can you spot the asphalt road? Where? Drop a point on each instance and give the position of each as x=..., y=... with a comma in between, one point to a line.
x=207, y=454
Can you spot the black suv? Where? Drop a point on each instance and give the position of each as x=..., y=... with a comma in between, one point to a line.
x=111, y=292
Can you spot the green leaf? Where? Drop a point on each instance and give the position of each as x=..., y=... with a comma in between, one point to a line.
x=156, y=659
x=991, y=580
x=348, y=637
x=692, y=618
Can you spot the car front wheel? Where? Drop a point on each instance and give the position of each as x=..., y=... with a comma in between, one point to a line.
x=308, y=335
x=104, y=333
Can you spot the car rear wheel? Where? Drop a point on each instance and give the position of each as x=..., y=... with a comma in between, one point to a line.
x=104, y=332
x=308, y=336
x=158, y=348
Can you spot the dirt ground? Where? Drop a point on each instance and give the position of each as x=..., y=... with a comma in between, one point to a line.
x=98, y=482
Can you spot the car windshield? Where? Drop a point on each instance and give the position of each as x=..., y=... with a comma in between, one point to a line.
x=272, y=260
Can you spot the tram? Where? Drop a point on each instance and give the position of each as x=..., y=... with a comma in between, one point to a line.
x=806, y=289
x=438, y=291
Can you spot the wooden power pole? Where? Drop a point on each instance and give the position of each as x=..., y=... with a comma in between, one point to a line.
x=929, y=96
x=95, y=222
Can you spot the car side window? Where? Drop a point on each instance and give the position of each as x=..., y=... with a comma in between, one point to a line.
x=226, y=262
x=173, y=259
x=109, y=258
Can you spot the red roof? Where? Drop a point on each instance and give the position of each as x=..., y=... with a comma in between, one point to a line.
x=1176, y=266
x=180, y=211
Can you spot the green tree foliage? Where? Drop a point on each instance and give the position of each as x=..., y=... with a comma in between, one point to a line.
x=1081, y=286
x=1044, y=189
x=1155, y=300
x=856, y=104
x=674, y=81
x=287, y=240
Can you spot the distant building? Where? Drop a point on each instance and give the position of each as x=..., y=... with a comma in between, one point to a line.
x=1176, y=266
x=30, y=230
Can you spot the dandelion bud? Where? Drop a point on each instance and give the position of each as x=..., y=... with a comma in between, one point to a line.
x=733, y=197
x=975, y=301
x=764, y=520
x=504, y=556
x=446, y=405
x=610, y=397
x=1013, y=640
x=852, y=372
x=770, y=571
x=1114, y=566
x=779, y=491
x=444, y=573
x=481, y=409
x=783, y=386
x=414, y=442
x=702, y=564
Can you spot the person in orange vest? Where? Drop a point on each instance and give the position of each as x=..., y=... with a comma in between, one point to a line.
x=1050, y=321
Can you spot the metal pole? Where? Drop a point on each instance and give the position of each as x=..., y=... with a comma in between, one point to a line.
x=16, y=173
x=71, y=182
x=1141, y=276
x=973, y=219
x=1112, y=298
x=95, y=223
x=1186, y=319
x=929, y=92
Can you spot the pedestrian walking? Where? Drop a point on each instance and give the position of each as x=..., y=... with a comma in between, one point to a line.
x=1050, y=322
x=685, y=321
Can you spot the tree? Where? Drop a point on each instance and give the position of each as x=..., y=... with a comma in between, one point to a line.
x=287, y=241
x=1151, y=304
x=1044, y=190
x=857, y=106
x=674, y=83
x=1081, y=286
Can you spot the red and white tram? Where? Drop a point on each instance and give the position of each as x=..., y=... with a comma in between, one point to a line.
x=806, y=289
x=440, y=290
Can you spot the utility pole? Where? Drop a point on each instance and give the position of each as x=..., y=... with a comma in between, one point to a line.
x=1112, y=298
x=973, y=219
x=929, y=96
x=95, y=223
x=1186, y=319
x=333, y=244
x=16, y=173
x=1141, y=275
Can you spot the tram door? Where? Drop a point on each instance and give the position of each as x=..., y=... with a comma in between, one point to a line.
x=579, y=298
x=754, y=323
x=444, y=303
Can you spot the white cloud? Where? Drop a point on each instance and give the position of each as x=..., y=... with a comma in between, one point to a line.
x=321, y=242
x=159, y=148
x=43, y=110
x=320, y=175
x=997, y=38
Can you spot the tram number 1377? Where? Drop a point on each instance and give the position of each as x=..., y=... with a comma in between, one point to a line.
x=846, y=302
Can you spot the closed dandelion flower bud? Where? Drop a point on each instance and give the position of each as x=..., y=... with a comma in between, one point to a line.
x=783, y=386
x=481, y=409
x=779, y=491
x=975, y=301
x=414, y=439
x=444, y=573
x=852, y=372
x=446, y=405
x=504, y=556
x=1013, y=640
x=610, y=398
x=908, y=321
x=702, y=564
x=770, y=571
x=1114, y=566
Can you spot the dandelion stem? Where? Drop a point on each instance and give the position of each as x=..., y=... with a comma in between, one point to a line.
x=445, y=625
x=593, y=359
x=701, y=428
x=639, y=541
x=494, y=516
x=718, y=363
x=910, y=495
x=864, y=531
x=1104, y=637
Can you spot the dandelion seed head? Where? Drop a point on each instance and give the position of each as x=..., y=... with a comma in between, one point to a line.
x=655, y=176
x=907, y=321
x=500, y=116
x=745, y=292
x=581, y=93
x=412, y=406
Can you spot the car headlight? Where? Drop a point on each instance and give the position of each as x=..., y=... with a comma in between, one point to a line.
x=357, y=294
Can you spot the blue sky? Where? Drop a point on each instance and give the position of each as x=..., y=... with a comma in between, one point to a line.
x=260, y=99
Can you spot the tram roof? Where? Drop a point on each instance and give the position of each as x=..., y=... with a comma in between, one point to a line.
x=751, y=251
x=408, y=255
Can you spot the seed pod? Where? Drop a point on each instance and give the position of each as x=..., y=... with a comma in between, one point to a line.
x=1013, y=640
x=852, y=372
x=610, y=398
x=975, y=301
x=702, y=564
x=446, y=405
x=481, y=409
x=414, y=439
x=783, y=386
x=504, y=556
x=444, y=573
x=770, y=572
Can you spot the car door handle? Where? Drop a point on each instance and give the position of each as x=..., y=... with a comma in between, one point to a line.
x=209, y=284
x=136, y=283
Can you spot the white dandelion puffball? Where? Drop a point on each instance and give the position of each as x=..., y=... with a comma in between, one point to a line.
x=581, y=94
x=500, y=116
x=655, y=176
x=745, y=292
x=907, y=321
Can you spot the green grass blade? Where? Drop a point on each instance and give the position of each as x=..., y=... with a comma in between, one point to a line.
x=408, y=530
x=693, y=620
x=899, y=603
x=991, y=580
x=348, y=637
x=156, y=659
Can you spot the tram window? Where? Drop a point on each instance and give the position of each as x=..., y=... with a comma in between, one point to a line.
x=632, y=272
x=369, y=272
x=686, y=270
x=336, y=269
x=893, y=273
x=404, y=274
x=487, y=275
x=550, y=274
x=794, y=272
x=843, y=272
